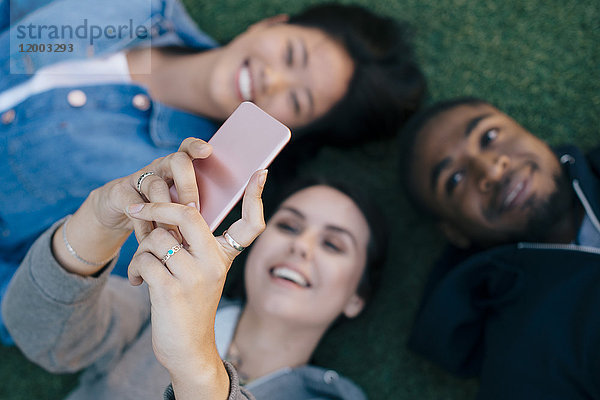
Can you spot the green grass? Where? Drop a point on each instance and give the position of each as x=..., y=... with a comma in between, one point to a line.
x=22, y=380
x=537, y=60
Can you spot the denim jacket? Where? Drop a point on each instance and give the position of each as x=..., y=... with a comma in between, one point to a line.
x=57, y=146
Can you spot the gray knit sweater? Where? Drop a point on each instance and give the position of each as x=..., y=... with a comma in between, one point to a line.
x=67, y=323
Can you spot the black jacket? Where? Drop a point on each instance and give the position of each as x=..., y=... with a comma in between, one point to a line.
x=523, y=317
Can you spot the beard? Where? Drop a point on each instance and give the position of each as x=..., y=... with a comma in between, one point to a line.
x=549, y=211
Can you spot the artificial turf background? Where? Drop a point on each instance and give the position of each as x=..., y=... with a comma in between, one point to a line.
x=538, y=60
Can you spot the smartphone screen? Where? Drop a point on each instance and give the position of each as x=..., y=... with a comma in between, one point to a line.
x=247, y=141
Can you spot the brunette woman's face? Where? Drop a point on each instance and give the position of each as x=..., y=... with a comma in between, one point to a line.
x=294, y=73
x=306, y=265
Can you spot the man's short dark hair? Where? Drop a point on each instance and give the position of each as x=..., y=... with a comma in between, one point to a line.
x=408, y=139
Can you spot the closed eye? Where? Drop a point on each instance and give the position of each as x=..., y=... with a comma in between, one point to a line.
x=331, y=246
x=453, y=181
x=289, y=55
x=288, y=228
x=295, y=102
x=488, y=137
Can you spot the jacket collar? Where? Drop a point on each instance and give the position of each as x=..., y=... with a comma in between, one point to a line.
x=584, y=180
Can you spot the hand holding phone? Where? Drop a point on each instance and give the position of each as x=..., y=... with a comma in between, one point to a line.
x=247, y=141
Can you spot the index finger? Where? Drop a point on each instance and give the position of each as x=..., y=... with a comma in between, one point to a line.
x=252, y=223
x=178, y=167
x=188, y=219
x=195, y=148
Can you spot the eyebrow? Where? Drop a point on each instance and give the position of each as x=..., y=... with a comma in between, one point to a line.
x=437, y=170
x=334, y=228
x=439, y=167
x=474, y=122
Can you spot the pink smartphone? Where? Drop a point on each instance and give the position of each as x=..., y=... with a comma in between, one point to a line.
x=247, y=141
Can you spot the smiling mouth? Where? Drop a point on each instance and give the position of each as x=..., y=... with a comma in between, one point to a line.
x=514, y=193
x=508, y=201
x=289, y=275
x=244, y=82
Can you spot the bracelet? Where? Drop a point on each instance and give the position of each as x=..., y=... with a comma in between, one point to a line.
x=74, y=253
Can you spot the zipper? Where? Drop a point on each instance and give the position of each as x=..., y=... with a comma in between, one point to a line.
x=570, y=247
x=568, y=159
x=555, y=246
x=586, y=205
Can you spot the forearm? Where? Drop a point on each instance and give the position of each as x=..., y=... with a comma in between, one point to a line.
x=41, y=304
x=47, y=309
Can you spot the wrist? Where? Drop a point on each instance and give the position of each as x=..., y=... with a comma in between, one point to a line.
x=83, y=245
x=207, y=377
x=74, y=253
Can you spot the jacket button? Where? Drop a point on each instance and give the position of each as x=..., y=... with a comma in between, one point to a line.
x=8, y=117
x=76, y=98
x=141, y=102
x=330, y=376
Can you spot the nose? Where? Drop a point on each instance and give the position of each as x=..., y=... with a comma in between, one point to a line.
x=491, y=168
x=276, y=80
x=303, y=245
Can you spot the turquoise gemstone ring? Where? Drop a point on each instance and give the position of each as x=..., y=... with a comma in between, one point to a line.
x=172, y=251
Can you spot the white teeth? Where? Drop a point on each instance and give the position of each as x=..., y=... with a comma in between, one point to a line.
x=245, y=84
x=290, y=275
x=511, y=196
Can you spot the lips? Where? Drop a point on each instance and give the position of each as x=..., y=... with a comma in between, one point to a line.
x=244, y=82
x=515, y=192
x=290, y=274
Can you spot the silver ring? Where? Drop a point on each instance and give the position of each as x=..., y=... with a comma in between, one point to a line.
x=172, y=251
x=141, y=179
x=231, y=241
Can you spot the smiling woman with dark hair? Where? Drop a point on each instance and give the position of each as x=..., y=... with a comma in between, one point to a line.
x=337, y=74
x=317, y=260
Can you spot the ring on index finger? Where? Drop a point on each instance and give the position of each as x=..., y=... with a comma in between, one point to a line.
x=141, y=179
